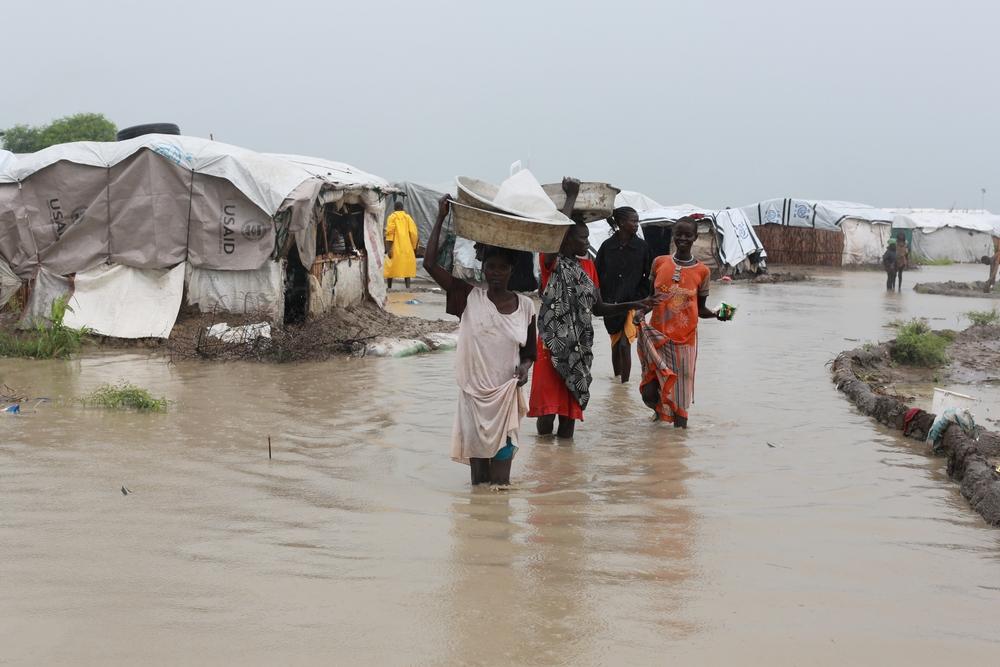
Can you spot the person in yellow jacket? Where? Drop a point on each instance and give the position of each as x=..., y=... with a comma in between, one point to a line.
x=401, y=239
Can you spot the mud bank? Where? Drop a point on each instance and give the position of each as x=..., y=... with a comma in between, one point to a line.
x=771, y=278
x=862, y=375
x=347, y=331
x=975, y=289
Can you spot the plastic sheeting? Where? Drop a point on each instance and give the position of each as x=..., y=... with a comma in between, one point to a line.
x=952, y=243
x=930, y=219
x=9, y=283
x=265, y=179
x=864, y=242
x=253, y=291
x=636, y=200
x=156, y=201
x=826, y=215
x=959, y=236
x=143, y=212
x=522, y=195
x=126, y=302
x=339, y=284
x=671, y=213
x=47, y=287
x=737, y=239
x=6, y=159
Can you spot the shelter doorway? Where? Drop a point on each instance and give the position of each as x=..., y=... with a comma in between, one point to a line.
x=296, y=288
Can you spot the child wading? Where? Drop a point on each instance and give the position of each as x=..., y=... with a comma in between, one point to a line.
x=668, y=347
x=496, y=347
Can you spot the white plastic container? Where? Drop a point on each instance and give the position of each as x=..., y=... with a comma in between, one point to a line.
x=944, y=399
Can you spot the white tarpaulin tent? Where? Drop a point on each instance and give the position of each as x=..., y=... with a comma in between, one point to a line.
x=160, y=201
x=959, y=236
x=670, y=214
x=636, y=200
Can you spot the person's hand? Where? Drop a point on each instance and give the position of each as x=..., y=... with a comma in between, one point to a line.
x=521, y=372
x=444, y=205
x=571, y=186
x=651, y=302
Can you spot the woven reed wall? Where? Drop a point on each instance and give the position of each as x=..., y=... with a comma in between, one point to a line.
x=801, y=245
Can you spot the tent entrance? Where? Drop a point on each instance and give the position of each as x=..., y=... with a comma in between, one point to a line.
x=296, y=288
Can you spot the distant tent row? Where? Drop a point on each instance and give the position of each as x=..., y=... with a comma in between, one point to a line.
x=834, y=233
x=727, y=241
x=779, y=231
x=127, y=229
x=821, y=233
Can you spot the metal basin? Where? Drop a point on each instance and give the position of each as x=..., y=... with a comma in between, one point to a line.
x=507, y=231
x=595, y=201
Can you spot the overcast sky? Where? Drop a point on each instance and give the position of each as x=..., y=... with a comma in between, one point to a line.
x=886, y=102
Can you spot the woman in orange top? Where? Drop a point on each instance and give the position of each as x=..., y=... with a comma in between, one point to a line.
x=668, y=348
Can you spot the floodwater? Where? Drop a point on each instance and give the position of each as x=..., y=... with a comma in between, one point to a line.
x=782, y=528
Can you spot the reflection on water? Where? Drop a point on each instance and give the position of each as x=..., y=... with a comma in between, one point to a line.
x=782, y=524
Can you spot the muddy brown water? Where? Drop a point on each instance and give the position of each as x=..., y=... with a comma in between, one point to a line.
x=361, y=543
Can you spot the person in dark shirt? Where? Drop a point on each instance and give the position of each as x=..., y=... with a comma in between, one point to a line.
x=623, y=264
x=889, y=264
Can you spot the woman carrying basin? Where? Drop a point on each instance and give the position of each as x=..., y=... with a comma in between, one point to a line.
x=561, y=379
x=496, y=348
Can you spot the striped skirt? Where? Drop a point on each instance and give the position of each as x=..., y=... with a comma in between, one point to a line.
x=671, y=366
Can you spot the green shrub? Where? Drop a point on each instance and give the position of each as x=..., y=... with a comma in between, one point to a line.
x=124, y=396
x=983, y=317
x=917, y=345
x=52, y=340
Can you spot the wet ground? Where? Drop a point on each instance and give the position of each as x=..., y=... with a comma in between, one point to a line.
x=783, y=528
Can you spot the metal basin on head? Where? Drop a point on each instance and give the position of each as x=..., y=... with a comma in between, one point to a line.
x=595, y=201
x=507, y=231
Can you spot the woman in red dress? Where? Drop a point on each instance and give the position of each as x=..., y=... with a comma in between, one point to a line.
x=560, y=383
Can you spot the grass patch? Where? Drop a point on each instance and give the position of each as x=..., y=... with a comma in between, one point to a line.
x=924, y=261
x=52, y=340
x=983, y=317
x=124, y=396
x=917, y=345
